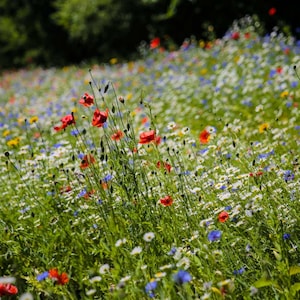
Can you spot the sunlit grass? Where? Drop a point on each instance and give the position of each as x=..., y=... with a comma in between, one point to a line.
x=183, y=185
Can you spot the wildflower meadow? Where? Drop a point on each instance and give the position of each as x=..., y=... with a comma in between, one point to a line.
x=175, y=176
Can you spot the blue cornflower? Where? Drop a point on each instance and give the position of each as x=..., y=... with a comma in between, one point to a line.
x=57, y=145
x=214, y=235
x=23, y=211
x=239, y=271
x=107, y=178
x=172, y=251
x=294, y=84
x=152, y=285
x=182, y=277
x=228, y=155
x=265, y=155
x=80, y=155
x=42, y=276
x=286, y=236
x=90, y=144
x=51, y=193
x=82, y=193
x=186, y=172
x=272, y=73
x=201, y=152
x=75, y=132
x=288, y=175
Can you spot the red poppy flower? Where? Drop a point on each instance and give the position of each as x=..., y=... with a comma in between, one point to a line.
x=89, y=194
x=235, y=35
x=99, y=117
x=117, y=135
x=87, y=100
x=260, y=173
x=63, y=278
x=147, y=137
x=166, y=201
x=145, y=120
x=247, y=35
x=204, y=136
x=272, y=11
x=223, y=216
x=65, y=189
x=157, y=140
x=165, y=165
x=87, y=161
x=53, y=273
x=7, y=289
x=154, y=43
x=66, y=121
x=59, y=278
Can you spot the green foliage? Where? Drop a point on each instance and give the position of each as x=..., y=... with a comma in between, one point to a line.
x=28, y=36
x=86, y=19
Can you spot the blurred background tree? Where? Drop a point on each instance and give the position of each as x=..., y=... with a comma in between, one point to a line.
x=61, y=32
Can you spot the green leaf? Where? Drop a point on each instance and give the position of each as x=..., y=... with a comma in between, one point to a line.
x=294, y=270
x=263, y=282
x=295, y=287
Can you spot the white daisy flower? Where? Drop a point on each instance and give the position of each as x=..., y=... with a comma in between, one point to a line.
x=148, y=237
x=104, y=269
x=136, y=250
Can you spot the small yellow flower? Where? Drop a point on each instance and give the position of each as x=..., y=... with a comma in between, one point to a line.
x=33, y=119
x=284, y=94
x=129, y=96
x=141, y=69
x=130, y=65
x=203, y=71
x=201, y=44
x=160, y=274
x=113, y=60
x=236, y=59
x=74, y=109
x=263, y=127
x=180, y=133
x=6, y=133
x=21, y=121
x=13, y=142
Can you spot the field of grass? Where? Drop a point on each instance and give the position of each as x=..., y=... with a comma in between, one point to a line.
x=172, y=177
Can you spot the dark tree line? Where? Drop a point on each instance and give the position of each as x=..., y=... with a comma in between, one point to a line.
x=61, y=32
